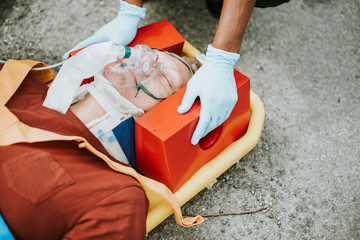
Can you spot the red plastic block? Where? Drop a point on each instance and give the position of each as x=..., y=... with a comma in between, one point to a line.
x=162, y=137
x=162, y=35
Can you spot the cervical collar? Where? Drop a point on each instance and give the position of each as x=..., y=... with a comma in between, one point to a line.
x=84, y=64
x=113, y=129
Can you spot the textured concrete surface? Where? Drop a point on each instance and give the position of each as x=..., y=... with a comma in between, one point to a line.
x=303, y=60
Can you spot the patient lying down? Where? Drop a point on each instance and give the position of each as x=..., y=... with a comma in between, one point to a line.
x=117, y=97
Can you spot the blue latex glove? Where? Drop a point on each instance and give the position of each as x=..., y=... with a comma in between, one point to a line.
x=5, y=233
x=215, y=84
x=121, y=30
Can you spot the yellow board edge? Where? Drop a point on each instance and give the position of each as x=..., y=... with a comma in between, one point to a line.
x=213, y=169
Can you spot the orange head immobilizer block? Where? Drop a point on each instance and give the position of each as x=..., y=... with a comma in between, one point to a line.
x=162, y=137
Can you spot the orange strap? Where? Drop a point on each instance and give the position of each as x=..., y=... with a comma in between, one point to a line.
x=13, y=131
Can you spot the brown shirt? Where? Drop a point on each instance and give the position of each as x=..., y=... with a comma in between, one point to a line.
x=54, y=190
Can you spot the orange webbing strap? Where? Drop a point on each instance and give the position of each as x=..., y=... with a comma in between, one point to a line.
x=14, y=73
x=13, y=131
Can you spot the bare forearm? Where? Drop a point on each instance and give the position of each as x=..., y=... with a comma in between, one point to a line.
x=138, y=3
x=234, y=17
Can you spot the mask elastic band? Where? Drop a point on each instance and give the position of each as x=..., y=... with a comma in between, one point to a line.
x=142, y=87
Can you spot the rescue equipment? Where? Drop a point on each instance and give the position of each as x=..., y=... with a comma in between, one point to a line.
x=162, y=201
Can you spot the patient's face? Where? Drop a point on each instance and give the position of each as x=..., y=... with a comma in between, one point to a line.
x=175, y=75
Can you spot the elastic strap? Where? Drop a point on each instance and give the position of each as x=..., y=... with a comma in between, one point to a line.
x=142, y=87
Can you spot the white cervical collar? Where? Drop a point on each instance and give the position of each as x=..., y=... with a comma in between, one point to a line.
x=111, y=100
x=66, y=89
x=84, y=64
x=117, y=110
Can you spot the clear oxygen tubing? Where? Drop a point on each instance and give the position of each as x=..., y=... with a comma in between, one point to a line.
x=84, y=64
x=123, y=51
x=42, y=68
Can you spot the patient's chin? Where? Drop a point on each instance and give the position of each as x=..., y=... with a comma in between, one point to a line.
x=148, y=106
x=144, y=102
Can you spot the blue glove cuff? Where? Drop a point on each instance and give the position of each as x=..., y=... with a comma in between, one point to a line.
x=132, y=10
x=218, y=56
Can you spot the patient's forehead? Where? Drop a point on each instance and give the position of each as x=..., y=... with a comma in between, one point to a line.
x=173, y=64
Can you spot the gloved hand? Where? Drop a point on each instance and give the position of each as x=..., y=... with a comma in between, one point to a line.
x=121, y=30
x=215, y=84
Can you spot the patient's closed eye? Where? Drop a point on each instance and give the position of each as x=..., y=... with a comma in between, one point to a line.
x=167, y=81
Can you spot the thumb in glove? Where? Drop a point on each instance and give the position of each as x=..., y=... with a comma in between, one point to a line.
x=214, y=83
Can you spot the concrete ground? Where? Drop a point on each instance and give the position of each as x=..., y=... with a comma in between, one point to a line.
x=303, y=61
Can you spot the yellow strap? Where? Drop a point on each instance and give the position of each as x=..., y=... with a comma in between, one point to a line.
x=11, y=77
x=13, y=131
x=13, y=73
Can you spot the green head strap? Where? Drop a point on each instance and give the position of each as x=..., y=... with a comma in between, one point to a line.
x=140, y=86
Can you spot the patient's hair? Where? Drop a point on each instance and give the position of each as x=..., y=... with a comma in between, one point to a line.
x=192, y=62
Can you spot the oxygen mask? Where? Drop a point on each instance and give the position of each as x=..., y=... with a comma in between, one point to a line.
x=135, y=70
x=118, y=66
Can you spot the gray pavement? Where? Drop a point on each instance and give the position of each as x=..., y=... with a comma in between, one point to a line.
x=303, y=61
